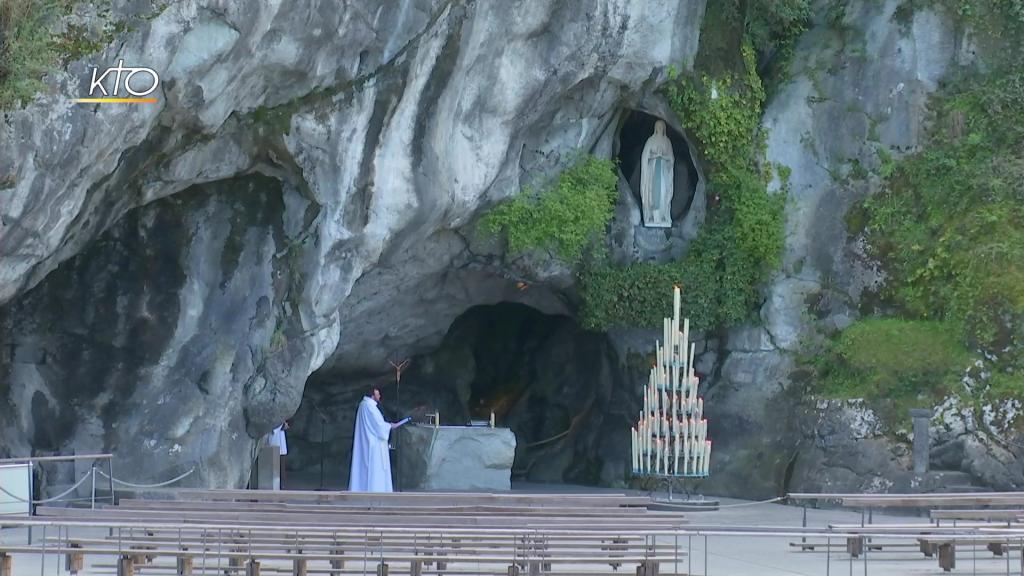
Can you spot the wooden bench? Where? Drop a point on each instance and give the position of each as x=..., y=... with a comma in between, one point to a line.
x=378, y=500
x=663, y=519
x=129, y=557
x=993, y=514
x=568, y=511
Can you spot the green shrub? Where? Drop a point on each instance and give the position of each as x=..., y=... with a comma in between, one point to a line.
x=773, y=27
x=742, y=238
x=949, y=225
x=28, y=50
x=718, y=280
x=722, y=114
x=893, y=363
x=563, y=218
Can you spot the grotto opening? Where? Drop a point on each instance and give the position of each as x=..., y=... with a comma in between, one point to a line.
x=560, y=388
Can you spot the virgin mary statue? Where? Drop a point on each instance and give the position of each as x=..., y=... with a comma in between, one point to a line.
x=656, y=179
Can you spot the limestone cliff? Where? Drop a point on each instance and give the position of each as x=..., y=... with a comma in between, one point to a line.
x=300, y=204
x=173, y=273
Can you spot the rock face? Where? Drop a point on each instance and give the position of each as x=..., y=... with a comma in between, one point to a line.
x=456, y=458
x=299, y=207
x=561, y=390
x=859, y=86
x=386, y=126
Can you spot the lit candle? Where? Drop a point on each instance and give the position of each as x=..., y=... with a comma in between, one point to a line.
x=492, y=418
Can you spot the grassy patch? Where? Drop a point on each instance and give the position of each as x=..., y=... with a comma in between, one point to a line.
x=28, y=49
x=949, y=225
x=892, y=363
x=563, y=218
x=26, y=52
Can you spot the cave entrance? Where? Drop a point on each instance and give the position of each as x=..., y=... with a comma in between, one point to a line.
x=545, y=377
x=558, y=387
x=636, y=128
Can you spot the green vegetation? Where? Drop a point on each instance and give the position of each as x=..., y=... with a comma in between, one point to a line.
x=563, y=218
x=948, y=227
x=773, y=27
x=28, y=49
x=950, y=223
x=893, y=363
x=742, y=237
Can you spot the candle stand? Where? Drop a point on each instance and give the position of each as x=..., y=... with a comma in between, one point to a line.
x=669, y=441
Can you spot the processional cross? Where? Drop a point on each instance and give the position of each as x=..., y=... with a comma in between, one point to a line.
x=399, y=367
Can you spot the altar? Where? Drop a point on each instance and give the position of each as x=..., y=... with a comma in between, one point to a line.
x=452, y=458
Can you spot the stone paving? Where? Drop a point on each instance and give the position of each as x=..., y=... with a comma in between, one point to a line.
x=725, y=555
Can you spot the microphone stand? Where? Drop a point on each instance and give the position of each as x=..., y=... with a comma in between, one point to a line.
x=323, y=423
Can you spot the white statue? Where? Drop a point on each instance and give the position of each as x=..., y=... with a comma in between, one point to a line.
x=656, y=179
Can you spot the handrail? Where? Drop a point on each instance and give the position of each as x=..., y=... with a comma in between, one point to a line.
x=901, y=495
x=55, y=458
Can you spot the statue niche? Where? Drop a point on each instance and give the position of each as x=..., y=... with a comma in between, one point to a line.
x=656, y=179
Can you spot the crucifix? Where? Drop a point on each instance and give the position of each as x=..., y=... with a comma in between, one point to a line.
x=399, y=367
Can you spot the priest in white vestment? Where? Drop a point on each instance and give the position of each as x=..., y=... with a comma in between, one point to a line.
x=371, y=463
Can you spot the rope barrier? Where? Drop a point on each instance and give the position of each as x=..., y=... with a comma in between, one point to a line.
x=770, y=501
x=48, y=500
x=157, y=485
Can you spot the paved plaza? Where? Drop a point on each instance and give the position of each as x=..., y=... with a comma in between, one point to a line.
x=714, y=555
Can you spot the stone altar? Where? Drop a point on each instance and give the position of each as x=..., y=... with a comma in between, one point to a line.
x=456, y=457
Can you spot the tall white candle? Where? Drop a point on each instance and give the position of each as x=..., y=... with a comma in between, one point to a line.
x=676, y=301
x=691, y=353
x=707, y=457
x=666, y=336
x=632, y=449
x=675, y=459
x=686, y=445
x=647, y=452
x=686, y=339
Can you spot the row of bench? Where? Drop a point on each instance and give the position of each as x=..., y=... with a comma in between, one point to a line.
x=999, y=530
x=250, y=533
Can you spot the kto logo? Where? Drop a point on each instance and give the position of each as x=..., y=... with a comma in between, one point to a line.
x=145, y=83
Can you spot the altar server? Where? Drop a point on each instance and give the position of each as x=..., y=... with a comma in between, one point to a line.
x=371, y=463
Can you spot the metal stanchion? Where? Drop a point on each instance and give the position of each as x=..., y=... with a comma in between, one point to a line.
x=110, y=480
x=828, y=556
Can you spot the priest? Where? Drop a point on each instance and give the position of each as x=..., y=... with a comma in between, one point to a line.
x=371, y=463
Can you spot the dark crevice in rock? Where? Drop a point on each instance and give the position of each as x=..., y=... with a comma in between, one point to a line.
x=436, y=83
x=560, y=389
